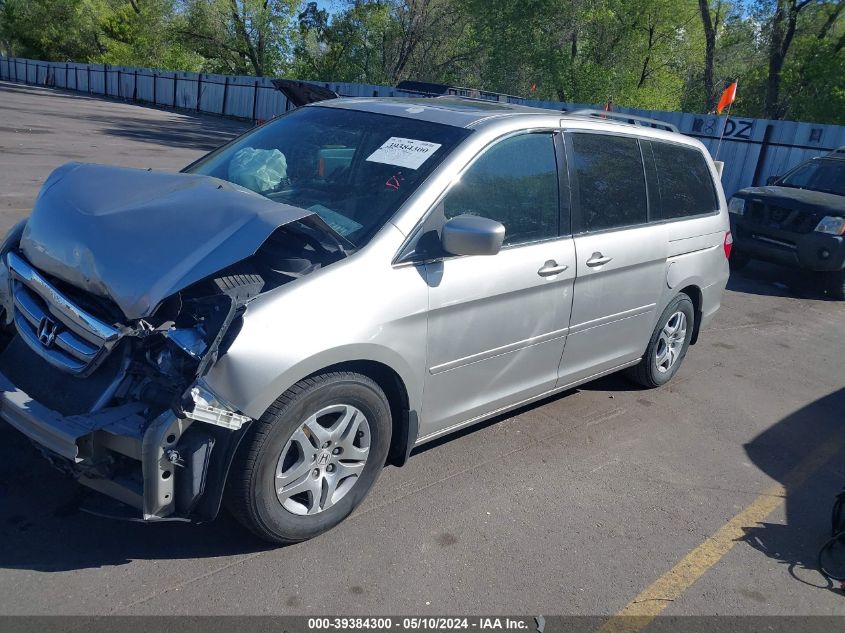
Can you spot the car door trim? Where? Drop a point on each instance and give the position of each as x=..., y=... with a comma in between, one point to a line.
x=521, y=403
x=619, y=316
x=498, y=351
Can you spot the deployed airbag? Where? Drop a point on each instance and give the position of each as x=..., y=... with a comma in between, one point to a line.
x=258, y=169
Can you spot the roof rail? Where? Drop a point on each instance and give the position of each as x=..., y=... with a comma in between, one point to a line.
x=621, y=117
x=839, y=152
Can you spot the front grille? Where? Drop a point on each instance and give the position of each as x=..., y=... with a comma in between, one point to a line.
x=782, y=218
x=54, y=327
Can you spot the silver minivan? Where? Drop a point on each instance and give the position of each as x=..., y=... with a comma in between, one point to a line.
x=270, y=327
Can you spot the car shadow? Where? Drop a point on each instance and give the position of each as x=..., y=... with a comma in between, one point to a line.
x=793, y=444
x=771, y=280
x=616, y=382
x=185, y=131
x=44, y=528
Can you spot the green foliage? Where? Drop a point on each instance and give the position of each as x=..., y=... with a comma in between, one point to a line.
x=141, y=33
x=642, y=53
x=105, y=31
x=814, y=75
x=50, y=29
x=238, y=36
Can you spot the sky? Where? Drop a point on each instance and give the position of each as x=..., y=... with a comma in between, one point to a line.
x=330, y=5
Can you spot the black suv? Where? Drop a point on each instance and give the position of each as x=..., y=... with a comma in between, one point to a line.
x=797, y=220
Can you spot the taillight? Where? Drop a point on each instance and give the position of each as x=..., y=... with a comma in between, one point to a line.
x=729, y=244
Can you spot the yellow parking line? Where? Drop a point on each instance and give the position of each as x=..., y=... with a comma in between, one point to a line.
x=638, y=613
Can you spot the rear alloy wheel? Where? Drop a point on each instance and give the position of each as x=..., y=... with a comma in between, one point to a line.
x=312, y=457
x=668, y=344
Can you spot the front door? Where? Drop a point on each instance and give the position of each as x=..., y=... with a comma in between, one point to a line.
x=497, y=324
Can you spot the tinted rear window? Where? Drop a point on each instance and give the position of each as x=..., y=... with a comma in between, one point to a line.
x=686, y=187
x=610, y=181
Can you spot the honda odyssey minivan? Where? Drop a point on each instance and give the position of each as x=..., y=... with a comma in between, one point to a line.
x=300, y=307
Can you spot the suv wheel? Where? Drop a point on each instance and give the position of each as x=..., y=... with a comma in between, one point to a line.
x=836, y=285
x=311, y=458
x=668, y=345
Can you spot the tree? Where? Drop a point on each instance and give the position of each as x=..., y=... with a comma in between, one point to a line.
x=129, y=32
x=781, y=32
x=312, y=18
x=710, y=19
x=239, y=36
x=141, y=33
x=51, y=29
x=813, y=75
x=385, y=41
x=788, y=55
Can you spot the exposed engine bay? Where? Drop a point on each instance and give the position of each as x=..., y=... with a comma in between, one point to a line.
x=118, y=400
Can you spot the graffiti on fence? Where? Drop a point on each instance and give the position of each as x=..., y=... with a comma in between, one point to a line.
x=733, y=128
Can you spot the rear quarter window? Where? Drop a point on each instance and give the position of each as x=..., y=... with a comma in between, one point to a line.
x=684, y=182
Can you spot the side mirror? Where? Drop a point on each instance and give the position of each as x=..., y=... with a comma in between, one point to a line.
x=472, y=235
x=772, y=180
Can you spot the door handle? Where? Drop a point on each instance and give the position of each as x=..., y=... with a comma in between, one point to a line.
x=597, y=259
x=551, y=268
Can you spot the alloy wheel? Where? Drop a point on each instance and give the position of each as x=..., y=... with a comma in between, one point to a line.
x=323, y=459
x=671, y=342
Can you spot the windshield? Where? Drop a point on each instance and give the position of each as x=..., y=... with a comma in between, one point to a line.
x=354, y=169
x=827, y=176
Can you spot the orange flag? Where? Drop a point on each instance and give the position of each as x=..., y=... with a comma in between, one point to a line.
x=728, y=97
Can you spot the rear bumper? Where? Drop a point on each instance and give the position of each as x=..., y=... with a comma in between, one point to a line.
x=811, y=251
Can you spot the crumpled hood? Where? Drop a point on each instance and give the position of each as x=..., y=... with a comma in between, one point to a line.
x=792, y=198
x=136, y=237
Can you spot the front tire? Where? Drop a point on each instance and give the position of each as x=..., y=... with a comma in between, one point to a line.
x=312, y=457
x=668, y=344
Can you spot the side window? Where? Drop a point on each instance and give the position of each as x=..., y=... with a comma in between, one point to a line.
x=609, y=181
x=684, y=181
x=515, y=183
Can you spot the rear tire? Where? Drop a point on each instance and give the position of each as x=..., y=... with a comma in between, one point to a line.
x=311, y=459
x=668, y=344
x=836, y=285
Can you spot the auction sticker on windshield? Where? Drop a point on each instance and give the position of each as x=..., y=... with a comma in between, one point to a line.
x=403, y=152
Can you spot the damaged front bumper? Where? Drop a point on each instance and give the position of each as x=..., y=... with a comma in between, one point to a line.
x=172, y=467
x=165, y=456
x=111, y=314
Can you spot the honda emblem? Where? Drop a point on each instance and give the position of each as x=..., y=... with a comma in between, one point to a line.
x=47, y=331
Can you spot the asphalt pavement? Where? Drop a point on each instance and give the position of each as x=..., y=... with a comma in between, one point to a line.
x=573, y=506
